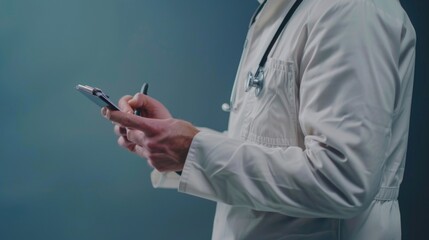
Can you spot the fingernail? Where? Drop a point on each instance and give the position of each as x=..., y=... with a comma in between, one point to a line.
x=106, y=112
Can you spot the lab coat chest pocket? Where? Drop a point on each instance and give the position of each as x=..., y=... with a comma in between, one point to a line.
x=273, y=120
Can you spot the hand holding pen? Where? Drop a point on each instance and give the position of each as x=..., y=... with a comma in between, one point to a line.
x=143, y=105
x=155, y=135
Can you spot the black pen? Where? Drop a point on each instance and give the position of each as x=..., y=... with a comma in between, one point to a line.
x=143, y=90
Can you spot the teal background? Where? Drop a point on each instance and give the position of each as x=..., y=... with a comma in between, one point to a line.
x=62, y=175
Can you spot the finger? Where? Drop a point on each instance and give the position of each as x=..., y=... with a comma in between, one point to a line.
x=126, y=144
x=141, y=151
x=120, y=131
x=123, y=104
x=136, y=136
x=147, y=125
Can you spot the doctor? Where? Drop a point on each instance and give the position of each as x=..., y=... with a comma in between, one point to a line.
x=318, y=128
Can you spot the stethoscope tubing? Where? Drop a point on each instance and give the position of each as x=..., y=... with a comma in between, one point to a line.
x=257, y=79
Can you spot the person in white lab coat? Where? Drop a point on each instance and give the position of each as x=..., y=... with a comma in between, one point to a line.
x=319, y=152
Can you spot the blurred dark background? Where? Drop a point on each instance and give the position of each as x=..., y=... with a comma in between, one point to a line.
x=414, y=194
x=62, y=175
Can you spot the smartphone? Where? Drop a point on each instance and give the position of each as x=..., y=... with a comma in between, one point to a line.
x=97, y=96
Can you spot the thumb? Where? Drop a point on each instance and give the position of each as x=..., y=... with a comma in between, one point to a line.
x=139, y=100
x=152, y=107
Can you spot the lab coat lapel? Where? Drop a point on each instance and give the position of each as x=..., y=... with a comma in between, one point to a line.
x=265, y=28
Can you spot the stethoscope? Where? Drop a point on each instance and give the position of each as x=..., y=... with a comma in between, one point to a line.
x=256, y=80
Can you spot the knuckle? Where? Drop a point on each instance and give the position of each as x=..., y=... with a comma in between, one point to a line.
x=132, y=135
x=139, y=150
x=129, y=135
x=136, y=136
x=125, y=98
x=117, y=130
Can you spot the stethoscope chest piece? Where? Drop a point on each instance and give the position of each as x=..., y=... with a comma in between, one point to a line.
x=256, y=81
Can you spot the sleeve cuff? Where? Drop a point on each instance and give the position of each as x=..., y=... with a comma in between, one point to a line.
x=194, y=179
x=164, y=180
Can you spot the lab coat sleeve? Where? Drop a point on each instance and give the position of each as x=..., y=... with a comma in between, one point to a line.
x=347, y=96
x=171, y=179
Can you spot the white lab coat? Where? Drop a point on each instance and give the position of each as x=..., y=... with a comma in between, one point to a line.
x=320, y=153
